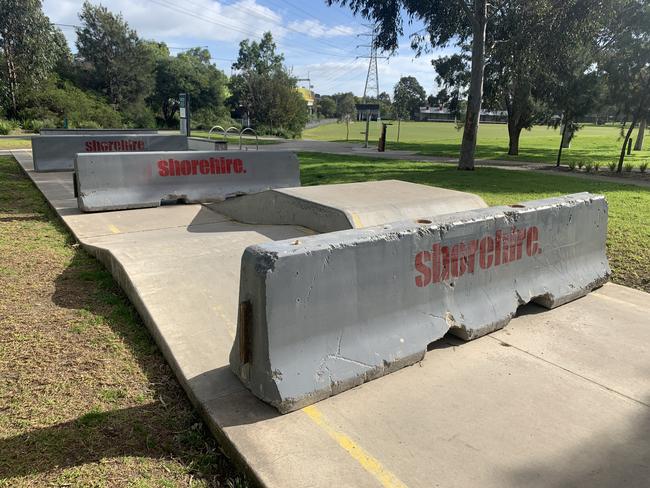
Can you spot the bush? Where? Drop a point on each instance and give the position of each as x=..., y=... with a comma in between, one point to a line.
x=580, y=164
x=36, y=125
x=87, y=124
x=572, y=165
x=596, y=167
x=589, y=166
x=206, y=118
x=6, y=126
x=611, y=166
x=643, y=166
x=58, y=100
x=628, y=167
x=139, y=116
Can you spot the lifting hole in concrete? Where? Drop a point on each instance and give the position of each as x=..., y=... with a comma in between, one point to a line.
x=423, y=221
x=517, y=205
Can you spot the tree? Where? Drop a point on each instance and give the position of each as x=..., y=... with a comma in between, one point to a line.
x=112, y=59
x=408, y=97
x=446, y=22
x=626, y=62
x=265, y=90
x=188, y=72
x=30, y=48
x=345, y=105
x=327, y=107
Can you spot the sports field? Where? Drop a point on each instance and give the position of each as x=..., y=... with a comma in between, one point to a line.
x=601, y=144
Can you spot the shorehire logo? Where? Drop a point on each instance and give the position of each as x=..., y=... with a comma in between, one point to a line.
x=211, y=166
x=114, y=146
x=443, y=263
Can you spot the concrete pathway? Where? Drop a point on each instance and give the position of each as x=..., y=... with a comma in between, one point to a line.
x=558, y=398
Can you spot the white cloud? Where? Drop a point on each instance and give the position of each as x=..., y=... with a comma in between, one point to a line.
x=168, y=20
x=314, y=28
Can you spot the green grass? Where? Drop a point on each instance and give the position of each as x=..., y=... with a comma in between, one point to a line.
x=628, y=243
x=592, y=143
x=86, y=397
x=15, y=143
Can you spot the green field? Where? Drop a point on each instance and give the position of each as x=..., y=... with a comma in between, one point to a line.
x=592, y=143
x=629, y=215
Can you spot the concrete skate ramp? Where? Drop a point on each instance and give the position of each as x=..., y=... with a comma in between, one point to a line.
x=565, y=404
x=57, y=153
x=325, y=313
x=71, y=132
x=115, y=181
x=329, y=208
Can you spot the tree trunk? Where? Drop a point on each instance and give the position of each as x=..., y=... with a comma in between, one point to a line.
x=623, y=148
x=559, y=151
x=472, y=117
x=514, y=132
x=567, y=136
x=640, y=135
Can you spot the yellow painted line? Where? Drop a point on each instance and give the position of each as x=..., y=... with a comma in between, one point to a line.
x=356, y=220
x=367, y=462
x=114, y=229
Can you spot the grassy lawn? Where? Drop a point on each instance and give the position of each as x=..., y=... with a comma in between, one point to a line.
x=595, y=144
x=86, y=398
x=628, y=244
x=15, y=143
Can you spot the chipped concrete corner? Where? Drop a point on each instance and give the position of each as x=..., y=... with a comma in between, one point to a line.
x=332, y=311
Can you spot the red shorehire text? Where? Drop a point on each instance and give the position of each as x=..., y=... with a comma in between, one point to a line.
x=213, y=166
x=114, y=146
x=443, y=263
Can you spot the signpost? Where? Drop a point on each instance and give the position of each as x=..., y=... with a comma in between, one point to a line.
x=184, y=102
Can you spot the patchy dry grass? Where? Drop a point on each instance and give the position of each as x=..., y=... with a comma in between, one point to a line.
x=6, y=143
x=86, y=398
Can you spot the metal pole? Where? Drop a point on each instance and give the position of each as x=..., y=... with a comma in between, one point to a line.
x=347, y=128
x=399, y=124
x=367, y=127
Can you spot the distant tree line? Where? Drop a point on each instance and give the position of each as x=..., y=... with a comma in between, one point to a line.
x=117, y=79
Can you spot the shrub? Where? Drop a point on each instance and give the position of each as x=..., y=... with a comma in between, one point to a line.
x=628, y=167
x=643, y=166
x=6, y=126
x=572, y=165
x=139, y=116
x=589, y=166
x=87, y=124
x=611, y=166
x=580, y=164
x=36, y=125
x=596, y=167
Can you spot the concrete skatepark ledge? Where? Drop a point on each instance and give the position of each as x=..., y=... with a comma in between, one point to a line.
x=472, y=414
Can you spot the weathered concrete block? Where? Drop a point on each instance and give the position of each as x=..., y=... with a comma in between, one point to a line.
x=114, y=181
x=328, y=312
x=57, y=153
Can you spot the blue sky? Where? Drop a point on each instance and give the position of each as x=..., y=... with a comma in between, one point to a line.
x=318, y=41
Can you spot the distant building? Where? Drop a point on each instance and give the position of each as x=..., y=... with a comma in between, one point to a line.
x=310, y=98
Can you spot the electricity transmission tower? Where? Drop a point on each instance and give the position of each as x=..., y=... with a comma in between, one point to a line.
x=372, y=78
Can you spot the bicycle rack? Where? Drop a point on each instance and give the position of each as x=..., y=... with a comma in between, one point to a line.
x=257, y=141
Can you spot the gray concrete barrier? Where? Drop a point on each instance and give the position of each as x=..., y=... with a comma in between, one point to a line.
x=56, y=153
x=325, y=313
x=112, y=181
x=72, y=132
x=203, y=144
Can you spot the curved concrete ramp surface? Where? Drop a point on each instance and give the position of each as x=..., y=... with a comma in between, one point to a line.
x=329, y=208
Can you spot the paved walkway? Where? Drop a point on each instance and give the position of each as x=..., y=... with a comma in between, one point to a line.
x=559, y=398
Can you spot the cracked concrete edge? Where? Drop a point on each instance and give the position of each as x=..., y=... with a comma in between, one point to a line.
x=302, y=295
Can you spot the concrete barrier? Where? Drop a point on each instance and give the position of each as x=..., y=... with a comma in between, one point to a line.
x=112, y=181
x=325, y=313
x=72, y=132
x=56, y=153
x=203, y=144
x=328, y=208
